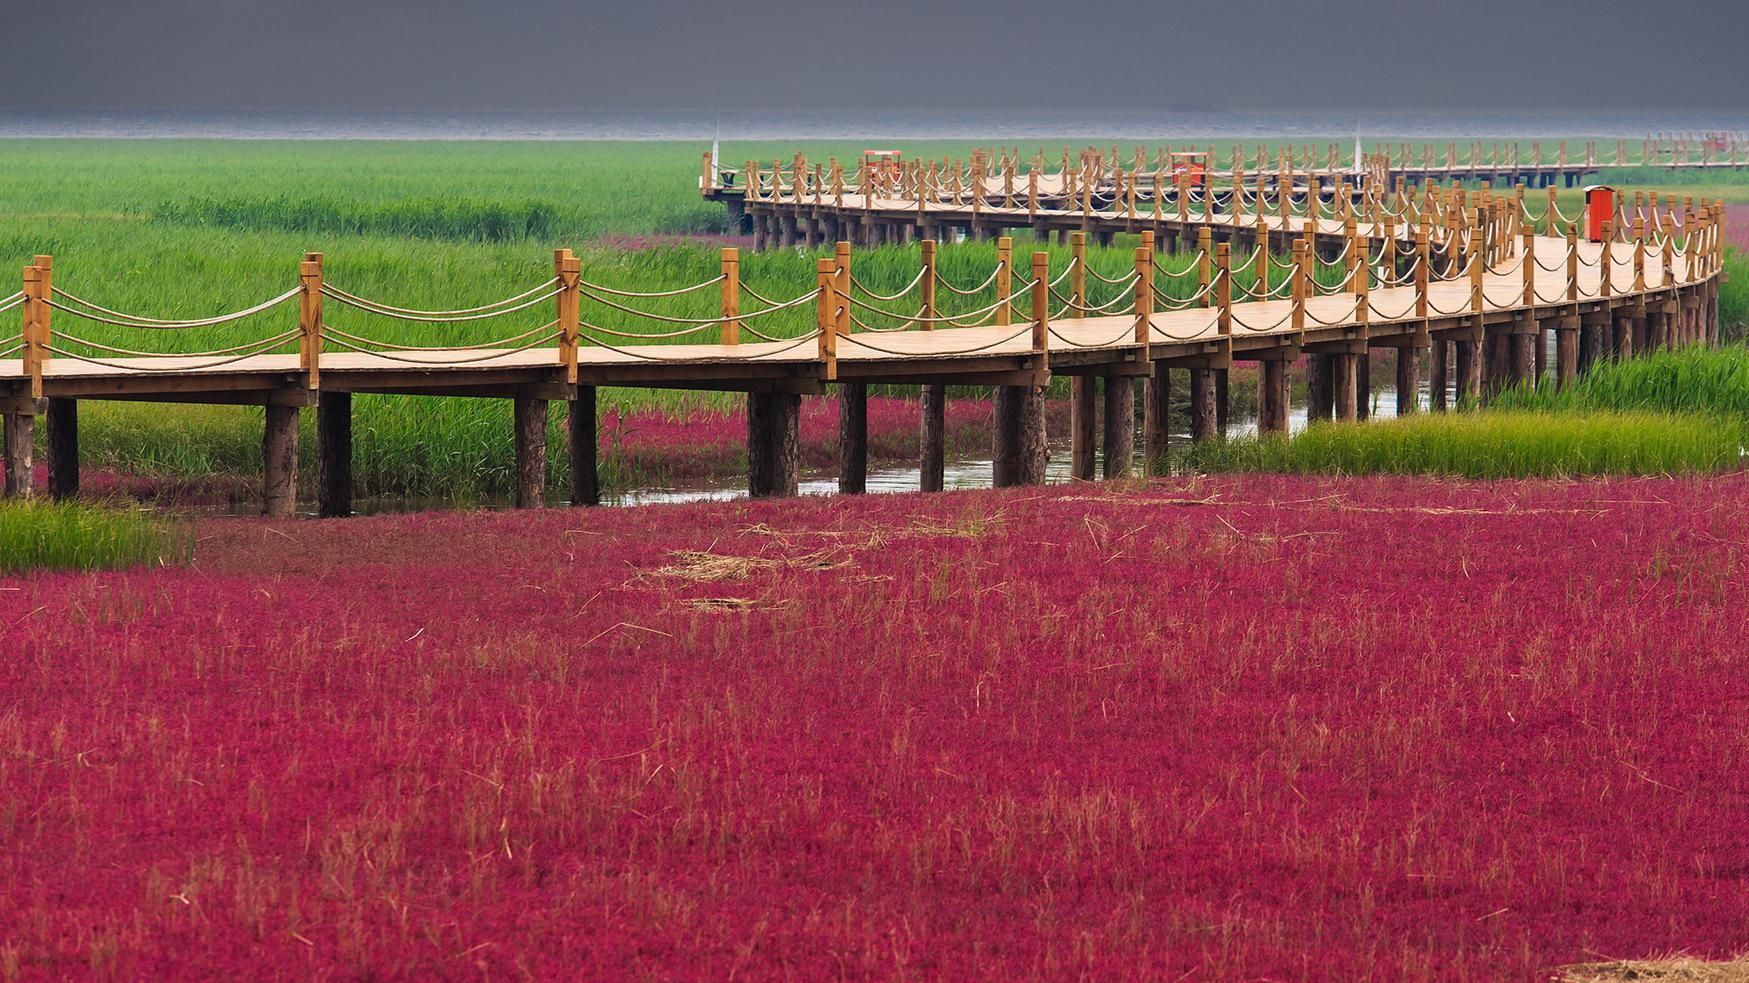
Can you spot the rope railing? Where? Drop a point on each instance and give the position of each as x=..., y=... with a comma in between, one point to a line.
x=491, y=356
x=372, y=308
x=118, y=319
x=598, y=288
x=355, y=300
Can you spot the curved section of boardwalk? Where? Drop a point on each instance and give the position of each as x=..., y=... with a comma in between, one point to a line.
x=1295, y=263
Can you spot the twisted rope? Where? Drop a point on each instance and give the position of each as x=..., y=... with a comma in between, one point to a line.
x=121, y=320
x=355, y=300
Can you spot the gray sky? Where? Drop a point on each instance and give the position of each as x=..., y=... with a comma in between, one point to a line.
x=907, y=55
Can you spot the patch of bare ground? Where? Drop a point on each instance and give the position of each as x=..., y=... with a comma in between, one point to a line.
x=1678, y=970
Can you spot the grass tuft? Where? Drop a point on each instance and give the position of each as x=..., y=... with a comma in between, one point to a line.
x=1492, y=445
x=84, y=536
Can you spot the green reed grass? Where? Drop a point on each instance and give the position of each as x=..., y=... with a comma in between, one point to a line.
x=85, y=536
x=1693, y=379
x=1491, y=445
x=480, y=220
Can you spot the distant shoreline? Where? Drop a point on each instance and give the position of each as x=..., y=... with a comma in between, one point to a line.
x=849, y=125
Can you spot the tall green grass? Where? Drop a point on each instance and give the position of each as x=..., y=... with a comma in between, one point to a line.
x=476, y=219
x=85, y=536
x=1491, y=445
x=1693, y=379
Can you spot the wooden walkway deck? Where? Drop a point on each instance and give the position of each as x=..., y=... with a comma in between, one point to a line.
x=1457, y=276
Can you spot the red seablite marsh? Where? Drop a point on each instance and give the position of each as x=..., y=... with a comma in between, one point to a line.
x=1287, y=728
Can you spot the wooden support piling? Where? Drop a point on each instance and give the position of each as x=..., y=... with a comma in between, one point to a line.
x=1469, y=372
x=932, y=439
x=582, y=442
x=279, y=447
x=1120, y=426
x=1272, y=396
x=1408, y=380
x=1083, y=426
x=1566, y=352
x=1156, y=420
x=62, y=449
x=1202, y=405
x=1006, y=437
x=1439, y=376
x=1363, y=386
x=20, y=452
x=1034, y=454
x=852, y=438
x=333, y=454
x=1320, y=387
x=773, y=421
x=530, y=424
x=1344, y=391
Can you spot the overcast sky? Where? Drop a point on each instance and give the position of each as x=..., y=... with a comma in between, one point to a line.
x=905, y=55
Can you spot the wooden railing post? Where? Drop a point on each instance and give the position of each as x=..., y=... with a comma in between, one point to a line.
x=1004, y=281
x=1605, y=263
x=34, y=318
x=1263, y=270
x=1528, y=264
x=1669, y=261
x=731, y=260
x=1572, y=262
x=569, y=270
x=310, y=319
x=1078, y=274
x=1357, y=250
x=1362, y=285
x=1041, y=308
x=927, y=249
x=45, y=313
x=1144, y=306
x=1478, y=257
x=828, y=313
x=842, y=286
x=1224, y=286
x=1204, y=265
x=1639, y=254
x=1423, y=268
x=1302, y=275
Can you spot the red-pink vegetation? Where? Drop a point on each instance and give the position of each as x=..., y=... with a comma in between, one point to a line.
x=1263, y=728
x=1737, y=226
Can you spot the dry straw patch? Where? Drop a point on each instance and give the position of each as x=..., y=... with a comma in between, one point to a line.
x=1682, y=970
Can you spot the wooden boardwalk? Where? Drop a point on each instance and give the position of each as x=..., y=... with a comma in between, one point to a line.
x=1477, y=283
